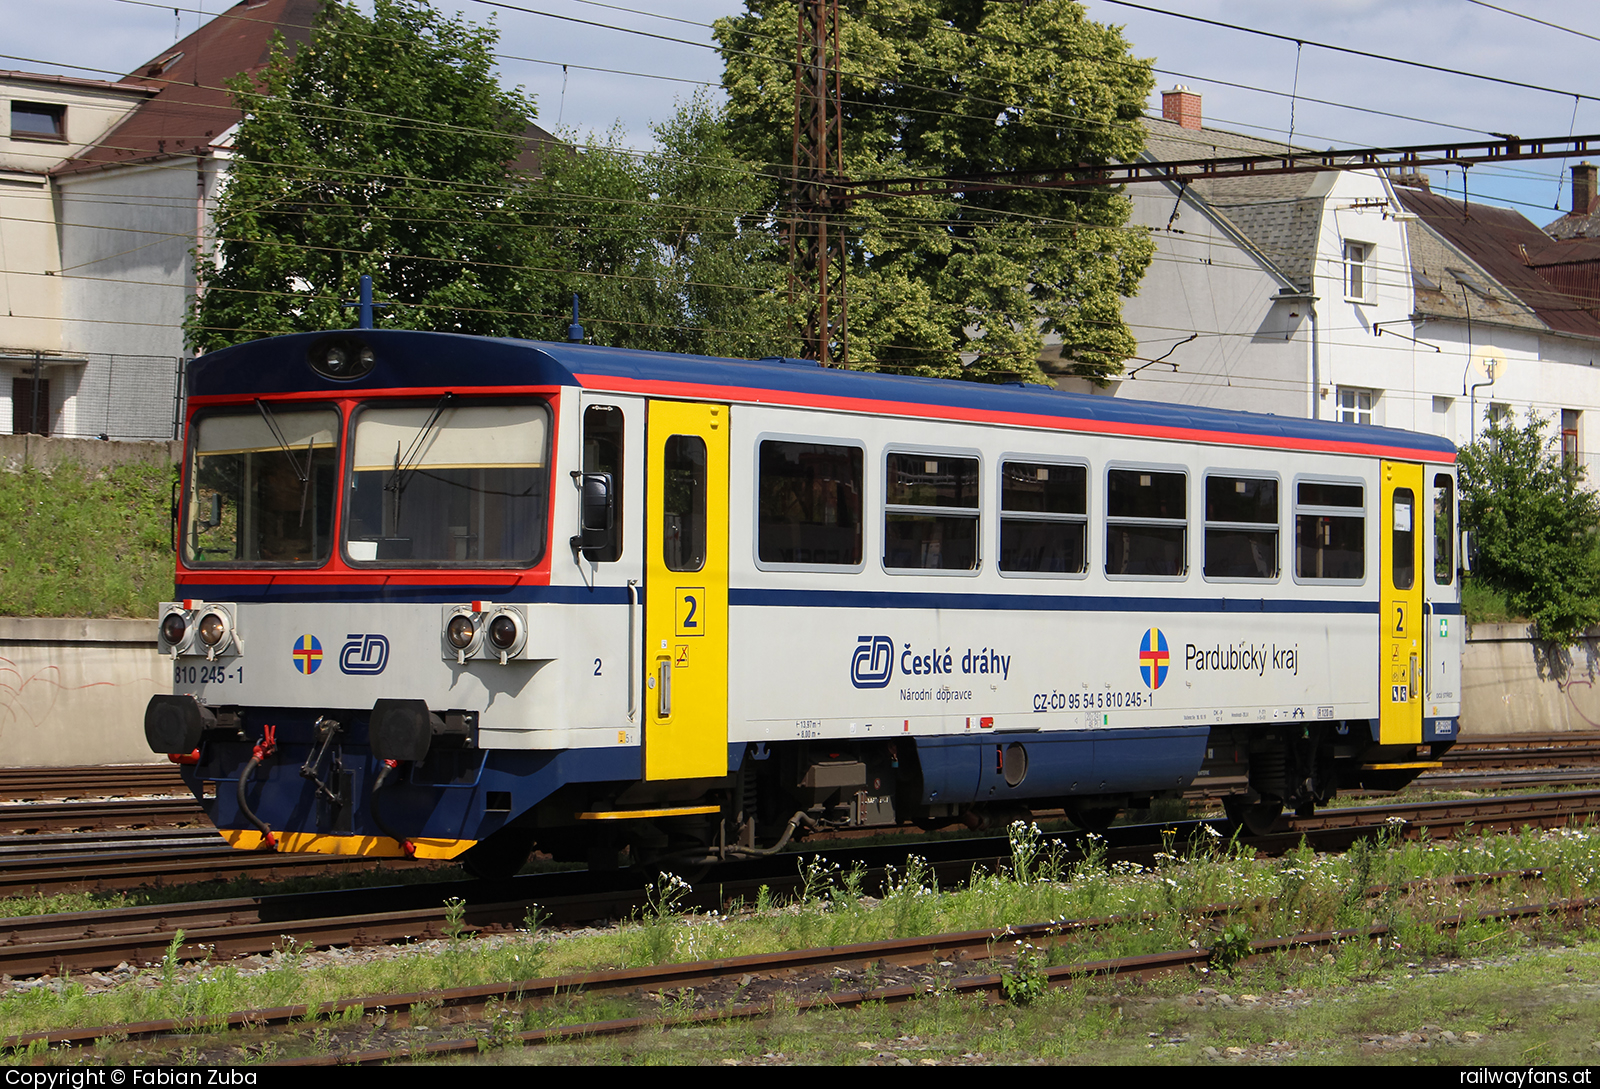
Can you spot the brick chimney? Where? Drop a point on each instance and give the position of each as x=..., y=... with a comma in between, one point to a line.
x=1182, y=106
x=1583, y=189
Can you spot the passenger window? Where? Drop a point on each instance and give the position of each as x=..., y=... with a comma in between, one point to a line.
x=1146, y=523
x=1444, y=530
x=810, y=503
x=931, y=517
x=683, y=547
x=1044, y=524
x=1241, y=528
x=1403, y=548
x=1329, y=531
x=602, y=453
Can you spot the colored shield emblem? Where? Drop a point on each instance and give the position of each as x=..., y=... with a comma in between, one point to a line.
x=307, y=654
x=1153, y=658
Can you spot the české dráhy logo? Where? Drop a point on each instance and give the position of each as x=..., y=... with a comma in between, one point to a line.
x=364, y=653
x=873, y=664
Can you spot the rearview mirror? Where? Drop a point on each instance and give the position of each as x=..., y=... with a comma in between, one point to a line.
x=596, y=514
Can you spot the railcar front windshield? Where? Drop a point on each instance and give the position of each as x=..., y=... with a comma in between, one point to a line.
x=261, y=486
x=446, y=483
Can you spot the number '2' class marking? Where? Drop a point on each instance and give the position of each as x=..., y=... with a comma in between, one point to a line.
x=688, y=620
x=1399, y=619
x=597, y=667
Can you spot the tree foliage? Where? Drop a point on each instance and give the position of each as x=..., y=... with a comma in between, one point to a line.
x=384, y=146
x=669, y=251
x=953, y=87
x=1536, y=525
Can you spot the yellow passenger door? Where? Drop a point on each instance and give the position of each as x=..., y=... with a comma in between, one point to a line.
x=686, y=592
x=1400, y=610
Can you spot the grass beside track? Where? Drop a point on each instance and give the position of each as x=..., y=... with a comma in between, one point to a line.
x=74, y=542
x=1106, y=1020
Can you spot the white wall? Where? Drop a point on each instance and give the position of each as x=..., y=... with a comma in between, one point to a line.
x=1359, y=208
x=1251, y=353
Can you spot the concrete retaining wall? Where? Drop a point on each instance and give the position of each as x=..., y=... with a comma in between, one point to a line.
x=1512, y=684
x=74, y=691
x=46, y=453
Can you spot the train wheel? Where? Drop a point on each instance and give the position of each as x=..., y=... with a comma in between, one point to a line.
x=1257, y=818
x=1092, y=818
x=499, y=856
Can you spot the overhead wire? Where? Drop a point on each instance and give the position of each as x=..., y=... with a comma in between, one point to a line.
x=607, y=28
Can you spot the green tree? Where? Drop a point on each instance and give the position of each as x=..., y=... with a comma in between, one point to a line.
x=670, y=250
x=967, y=285
x=384, y=146
x=1536, y=525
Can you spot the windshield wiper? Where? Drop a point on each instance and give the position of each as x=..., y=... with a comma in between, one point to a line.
x=405, y=465
x=301, y=474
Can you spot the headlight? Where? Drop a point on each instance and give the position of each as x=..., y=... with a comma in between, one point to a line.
x=174, y=628
x=503, y=632
x=212, y=629
x=342, y=357
x=462, y=631
x=507, y=632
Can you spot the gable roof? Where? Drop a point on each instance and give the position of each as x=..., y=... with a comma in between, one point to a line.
x=1559, y=281
x=1275, y=213
x=191, y=105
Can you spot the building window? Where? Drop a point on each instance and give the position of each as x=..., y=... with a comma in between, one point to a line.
x=1442, y=408
x=1569, y=434
x=1358, y=283
x=38, y=121
x=1355, y=405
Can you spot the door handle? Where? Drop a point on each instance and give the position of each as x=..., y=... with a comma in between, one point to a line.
x=664, y=688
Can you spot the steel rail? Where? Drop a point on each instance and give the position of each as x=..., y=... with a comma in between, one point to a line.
x=31, y=817
x=90, y=781
x=1141, y=967
x=898, y=951
x=85, y=941
x=156, y=866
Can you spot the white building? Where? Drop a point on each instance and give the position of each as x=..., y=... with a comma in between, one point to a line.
x=1347, y=295
x=106, y=192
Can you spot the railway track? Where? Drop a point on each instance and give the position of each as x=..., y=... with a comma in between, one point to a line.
x=31, y=818
x=91, y=781
x=88, y=941
x=170, y=858
x=104, y=862
x=958, y=963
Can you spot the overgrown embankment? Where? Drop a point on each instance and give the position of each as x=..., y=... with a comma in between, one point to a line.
x=85, y=542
